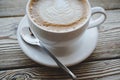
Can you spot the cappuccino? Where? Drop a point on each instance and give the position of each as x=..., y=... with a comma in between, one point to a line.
x=58, y=15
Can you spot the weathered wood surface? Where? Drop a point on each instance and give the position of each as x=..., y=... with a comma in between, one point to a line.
x=12, y=7
x=17, y=7
x=109, y=37
x=107, y=4
x=97, y=70
x=103, y=64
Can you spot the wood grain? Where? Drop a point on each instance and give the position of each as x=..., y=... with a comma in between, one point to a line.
x=107, y=4
x=10, y=53
x=97, y=70
x=17, y=7
x=109, y=37
x=11, y=56
x=12, y=7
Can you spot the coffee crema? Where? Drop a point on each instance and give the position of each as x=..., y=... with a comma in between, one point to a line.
x=58, y=15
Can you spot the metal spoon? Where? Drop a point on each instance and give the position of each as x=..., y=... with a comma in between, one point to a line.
x=28, y=37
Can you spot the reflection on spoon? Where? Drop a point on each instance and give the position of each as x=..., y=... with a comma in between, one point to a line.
x=28, y=37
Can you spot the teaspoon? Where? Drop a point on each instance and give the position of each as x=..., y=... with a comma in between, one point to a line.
x=28, y=37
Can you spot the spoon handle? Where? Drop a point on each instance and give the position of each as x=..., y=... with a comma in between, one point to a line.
x=62, y=66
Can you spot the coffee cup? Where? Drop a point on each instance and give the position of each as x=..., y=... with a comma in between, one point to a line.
x=60, y=24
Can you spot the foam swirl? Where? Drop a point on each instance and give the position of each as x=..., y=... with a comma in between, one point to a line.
x=60, y=12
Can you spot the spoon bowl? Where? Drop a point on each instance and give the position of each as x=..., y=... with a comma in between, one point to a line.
x=28, y=37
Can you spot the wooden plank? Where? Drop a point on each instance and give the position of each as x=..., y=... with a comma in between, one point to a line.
x=11, y=56
x=107, y=4
x=108, y=46
x=17, y=7
x=10, y=53
x=97, y=70
x=12, y=8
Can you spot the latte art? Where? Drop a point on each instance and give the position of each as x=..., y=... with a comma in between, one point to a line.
x=58, y=15
x=60, y=12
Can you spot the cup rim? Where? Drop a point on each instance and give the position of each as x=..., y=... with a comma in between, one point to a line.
x=67, y=31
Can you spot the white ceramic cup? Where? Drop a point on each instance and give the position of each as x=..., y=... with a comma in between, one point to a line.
x=60, y=42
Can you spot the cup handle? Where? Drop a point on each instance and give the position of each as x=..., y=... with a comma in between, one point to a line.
x=99, y=20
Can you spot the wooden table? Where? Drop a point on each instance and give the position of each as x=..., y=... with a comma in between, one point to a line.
x=103, y=64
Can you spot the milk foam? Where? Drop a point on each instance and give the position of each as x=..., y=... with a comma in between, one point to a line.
x=60, y=12
x=58, y=15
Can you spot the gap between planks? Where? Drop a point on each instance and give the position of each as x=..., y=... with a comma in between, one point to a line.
x=84, y=71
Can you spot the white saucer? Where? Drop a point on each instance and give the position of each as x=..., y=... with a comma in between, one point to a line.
x=86, y=46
